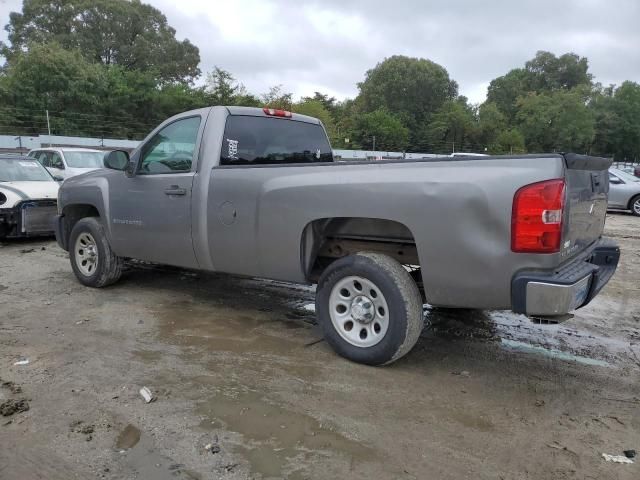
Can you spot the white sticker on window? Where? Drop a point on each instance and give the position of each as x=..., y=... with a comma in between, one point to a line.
x=29, y=164
x=233, y=148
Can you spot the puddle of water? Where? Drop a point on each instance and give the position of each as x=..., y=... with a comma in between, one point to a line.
x=148, y=464
x=549, y=352
x=128, y=438
x=274, y=435
x=148, y=355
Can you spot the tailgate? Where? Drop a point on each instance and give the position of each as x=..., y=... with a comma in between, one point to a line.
x=587, y=183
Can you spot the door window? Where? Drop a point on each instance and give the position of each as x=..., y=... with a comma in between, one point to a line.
x=171, y=149
x=42, y=158
x=56, y=161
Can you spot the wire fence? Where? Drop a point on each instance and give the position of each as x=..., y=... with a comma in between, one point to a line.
x=25, y=122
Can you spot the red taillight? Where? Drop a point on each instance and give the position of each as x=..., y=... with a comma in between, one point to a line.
x=276, y=113
x=536, y=220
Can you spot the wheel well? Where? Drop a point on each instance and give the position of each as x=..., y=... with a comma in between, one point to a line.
x=74, y=213
x=328, y=239
x=632, y=201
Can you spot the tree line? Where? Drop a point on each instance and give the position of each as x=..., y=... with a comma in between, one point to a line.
x=114, y=68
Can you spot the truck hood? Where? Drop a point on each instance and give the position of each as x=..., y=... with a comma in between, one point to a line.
x=20, y=191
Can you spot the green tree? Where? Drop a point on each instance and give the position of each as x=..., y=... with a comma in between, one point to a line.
x=602, y=104
x=452, y=128
x=549, y=73
x=491, y=123
x=626, y=129
x=315, y=108
x=49, y=78
x=223, y=89
x=410, y=88
x=330, y=104
x=277, y=98
x=389, y=132
x=557, y=121
x=542, y=74
x=504, y=91
x=507, y=142
x=131, y=34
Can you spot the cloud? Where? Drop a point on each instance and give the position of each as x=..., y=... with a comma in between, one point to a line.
x=328, y=45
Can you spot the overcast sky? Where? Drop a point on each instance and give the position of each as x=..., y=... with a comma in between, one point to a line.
x=327, y=45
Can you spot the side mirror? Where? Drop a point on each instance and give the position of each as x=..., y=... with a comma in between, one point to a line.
x=615, y=181
x=58, y=178
x=116, y=160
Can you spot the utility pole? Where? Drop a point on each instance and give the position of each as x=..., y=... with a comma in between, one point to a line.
x=48, y=127
x=374, y=143
x=453, y=147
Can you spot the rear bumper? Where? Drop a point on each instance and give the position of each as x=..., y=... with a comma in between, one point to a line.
x=571, y=287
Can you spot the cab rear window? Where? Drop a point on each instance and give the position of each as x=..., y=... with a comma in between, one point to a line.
x=272, y=141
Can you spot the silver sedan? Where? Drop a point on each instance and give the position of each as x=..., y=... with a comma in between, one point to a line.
x=624, y=191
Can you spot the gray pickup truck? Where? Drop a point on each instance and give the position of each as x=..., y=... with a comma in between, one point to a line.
x=256, y=192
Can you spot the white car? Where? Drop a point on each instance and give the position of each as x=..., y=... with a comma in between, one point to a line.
x=28, y=198
x=68, y=162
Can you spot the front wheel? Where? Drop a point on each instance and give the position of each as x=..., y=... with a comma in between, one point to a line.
x=369, y=308
x=92, y=260
x=634, y=205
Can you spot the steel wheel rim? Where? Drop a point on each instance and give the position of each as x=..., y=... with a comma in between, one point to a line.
x=636, y=206
x=86, y=254
x=359, y=311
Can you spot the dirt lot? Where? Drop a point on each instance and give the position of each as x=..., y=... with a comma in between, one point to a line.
x=245, y=389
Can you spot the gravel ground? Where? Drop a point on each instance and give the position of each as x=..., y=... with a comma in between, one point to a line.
x=245, y=388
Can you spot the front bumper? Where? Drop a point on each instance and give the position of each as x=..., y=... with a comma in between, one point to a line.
x=28, y=218
x=571, y=287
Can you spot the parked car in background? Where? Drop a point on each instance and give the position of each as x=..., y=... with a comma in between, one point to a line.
x=28, y=198
x=257, y=192
x=624, y=191
x=630, y=169
x=68, y=162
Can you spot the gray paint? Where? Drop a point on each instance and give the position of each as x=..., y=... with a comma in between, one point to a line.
x=250, y=221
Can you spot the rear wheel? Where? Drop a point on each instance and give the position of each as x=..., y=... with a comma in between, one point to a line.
x=369, y=307
x=634, y=205
x=92, y=259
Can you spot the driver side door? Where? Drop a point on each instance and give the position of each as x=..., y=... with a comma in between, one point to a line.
x=151, y=212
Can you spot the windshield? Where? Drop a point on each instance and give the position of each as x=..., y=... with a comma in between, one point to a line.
x=627, y=177
x=20, y=170
x=84, y=159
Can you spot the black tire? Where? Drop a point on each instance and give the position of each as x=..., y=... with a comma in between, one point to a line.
x=403, y=299
x=107, y=268
x=632, y=205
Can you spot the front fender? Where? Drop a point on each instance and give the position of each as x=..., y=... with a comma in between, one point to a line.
x=82, y=196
